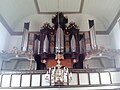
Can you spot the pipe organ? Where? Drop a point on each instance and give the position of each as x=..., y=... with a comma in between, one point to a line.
x=59, y=38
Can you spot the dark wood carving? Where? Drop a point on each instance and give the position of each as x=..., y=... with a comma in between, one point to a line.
x=59, y=19
x=69, y=31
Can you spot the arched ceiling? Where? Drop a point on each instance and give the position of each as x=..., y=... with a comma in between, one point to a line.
x=105, y=12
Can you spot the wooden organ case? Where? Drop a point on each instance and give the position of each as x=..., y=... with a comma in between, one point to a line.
x=43, y=44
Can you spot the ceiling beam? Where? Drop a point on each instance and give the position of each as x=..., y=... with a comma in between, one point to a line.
x=62, y=12
x=2, y=20
x=101, y=33
x=17, y=33
x=81, y=6
x=5, y=24
x=113, y=22
x=37, y=6
x=8, y=28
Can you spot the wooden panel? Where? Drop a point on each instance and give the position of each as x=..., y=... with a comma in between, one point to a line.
x=66, y=62
x=25, y=80
x=35, y=80
x=5, y=81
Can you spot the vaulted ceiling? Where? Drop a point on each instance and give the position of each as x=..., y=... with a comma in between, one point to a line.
x=14, y=12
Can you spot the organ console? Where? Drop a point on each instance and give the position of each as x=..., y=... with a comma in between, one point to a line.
x=72, y=43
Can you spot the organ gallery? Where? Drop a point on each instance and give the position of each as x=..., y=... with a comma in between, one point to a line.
x=60, y=40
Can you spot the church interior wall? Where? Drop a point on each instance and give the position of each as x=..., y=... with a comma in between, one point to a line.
x=8, y=41
x=114, y=41
x=15, y=42
x=115, y=36
x=108, y=41
x=37, y=21
x=103, y=41
x=4, y=38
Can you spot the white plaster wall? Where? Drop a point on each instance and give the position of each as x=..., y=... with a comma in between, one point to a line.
x=115, y=37
x=103, y=40
x=82, y=21
x=7, y=41
x=37, y=21
x=15, y=41
x=115, y=43
x=4, y=38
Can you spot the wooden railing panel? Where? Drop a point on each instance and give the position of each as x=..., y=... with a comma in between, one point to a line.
x=115, y=76
x=25, y=80
x=74, y=80
x=35, y=80
x=80, y=78
x=6, y=81
x=0, y=80
x=94, y=79
x=44, y=82
x=83, y=78
x=15, y=82
x=105, y=78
